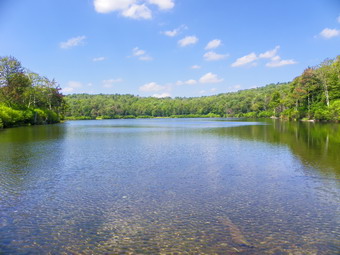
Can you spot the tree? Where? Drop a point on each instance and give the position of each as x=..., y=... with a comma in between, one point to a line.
x=13, y=81
x=35, y=99
x=9, y=66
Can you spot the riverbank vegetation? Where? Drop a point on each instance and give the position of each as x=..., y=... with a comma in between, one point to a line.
x=27, y=98
x=314, y=95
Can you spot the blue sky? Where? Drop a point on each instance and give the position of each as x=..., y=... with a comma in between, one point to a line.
x=169, y=47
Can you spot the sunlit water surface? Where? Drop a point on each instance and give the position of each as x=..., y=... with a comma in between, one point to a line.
x=170, y=186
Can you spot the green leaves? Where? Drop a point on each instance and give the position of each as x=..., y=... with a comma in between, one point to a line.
x=26, y=97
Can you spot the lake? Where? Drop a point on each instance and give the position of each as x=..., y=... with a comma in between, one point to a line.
x=170, y=186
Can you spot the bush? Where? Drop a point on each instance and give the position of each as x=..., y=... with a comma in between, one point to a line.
x=265, y=114
x=322, y=114
x=104, y=117
x=250, y=115
x=291, y=114
x=128, y=117
x=212, y=115
x=144, y=117
x=335, y=110
x=78, y=118
x=11, y=117
x=44, y=116
x=28, y=116
x=52, y=117
x=40, y=117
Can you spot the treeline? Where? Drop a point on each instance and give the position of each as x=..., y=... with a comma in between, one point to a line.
x=315, y=94
x=27, y=98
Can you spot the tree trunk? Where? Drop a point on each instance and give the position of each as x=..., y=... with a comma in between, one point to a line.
x=325, y=87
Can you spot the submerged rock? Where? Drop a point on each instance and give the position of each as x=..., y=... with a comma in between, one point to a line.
x=236, y=235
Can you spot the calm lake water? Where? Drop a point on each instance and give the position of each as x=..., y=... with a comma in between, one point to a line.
x=170, y=186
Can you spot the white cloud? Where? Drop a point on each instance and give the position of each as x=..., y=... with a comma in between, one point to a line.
x=270, y=53
x=75, y=84
x=329, y=33
x=244, y=60
x=338, y=19
x=152, y=86
x=276, y=58
x=72, y=86
x=136, y=11
x=196, y=67
x=173, y=33
x=187, y=41
x=145, y=58
x=67, y=90
x=277, y=62
x=213, y=44
x=163, y=4
x=72, y=42
x=106, y=6
x=161, y=95
x=213, y=90
x=109, y=83
x=138, y=52
x=188, y=82
x=210, y=78
x=213, y=56
x=141, y=54
x=98, y=59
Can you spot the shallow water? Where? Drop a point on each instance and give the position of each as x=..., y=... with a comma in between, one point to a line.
x=170, y=186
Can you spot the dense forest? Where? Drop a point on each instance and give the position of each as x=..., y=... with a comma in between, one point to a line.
x=27, y=98
x=314, y=95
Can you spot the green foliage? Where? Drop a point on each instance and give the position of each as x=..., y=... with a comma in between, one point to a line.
x=291, y=114
x=335, y=110
x=27, y=98
x=323, y=114
x=29, y=116
x=11, y=117
x=265, y=114
x=313, y=95
x=78, y=118
x=250, y=115
x=40, y=117
x=31, y=99
x=52, y=117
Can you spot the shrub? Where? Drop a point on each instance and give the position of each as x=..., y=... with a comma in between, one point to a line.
x=128, y=117
x=212, y=115
x=322, y=114
x=11, y=117
x=265, y=114
x=78, y=118
x=52, y=117
x=28, y=116
x=40, y=117
x=291, y=114
x=250, y=115
x=335, y=110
